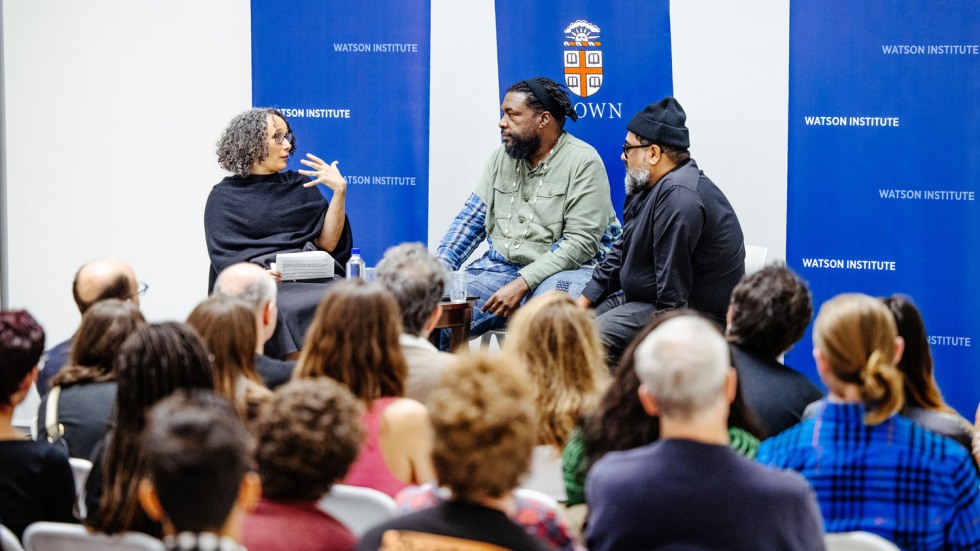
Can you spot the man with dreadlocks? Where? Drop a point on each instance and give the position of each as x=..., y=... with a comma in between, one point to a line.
x=542, y=204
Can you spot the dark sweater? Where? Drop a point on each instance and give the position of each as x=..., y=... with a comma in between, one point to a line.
x=36, y=484
x=776, y=393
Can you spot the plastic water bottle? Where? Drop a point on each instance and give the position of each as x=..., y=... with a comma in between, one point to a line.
x=355, y=266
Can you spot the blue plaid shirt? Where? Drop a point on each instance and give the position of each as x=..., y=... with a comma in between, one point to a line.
x=895, y=479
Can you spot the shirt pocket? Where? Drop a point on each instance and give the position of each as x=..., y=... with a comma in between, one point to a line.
x=504, y=195
x=549, y=203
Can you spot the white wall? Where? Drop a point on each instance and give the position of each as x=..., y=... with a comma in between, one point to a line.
x=113, y=108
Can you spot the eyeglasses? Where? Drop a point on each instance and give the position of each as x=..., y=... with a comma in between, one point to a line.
x=141, y=288
x=283, y=138
x=627, y=147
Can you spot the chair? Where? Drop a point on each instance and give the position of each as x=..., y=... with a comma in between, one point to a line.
x=858, y=541
x=545, y=475
x=8, y=541
x=489, y=335
x=80, y=468
x=357, y=508
x=755, y=258
x=58, y=536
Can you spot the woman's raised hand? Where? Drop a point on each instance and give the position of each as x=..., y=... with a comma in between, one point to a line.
x=323, y=173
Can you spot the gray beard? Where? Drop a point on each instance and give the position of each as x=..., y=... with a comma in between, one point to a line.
x=636, y=179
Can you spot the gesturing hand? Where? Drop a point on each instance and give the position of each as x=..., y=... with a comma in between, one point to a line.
x=507, y=298
x=323, y=173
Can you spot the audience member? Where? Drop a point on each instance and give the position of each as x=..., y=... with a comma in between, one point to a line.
x=35, y=480
x=262, y=209
x=485, y=423
x=542, y=205
x=689, y=488
x=78, y=409
x=560, y=347
x=197, y=484
x=769, y=312
x=417, y=279
x=227, y=327
x=153, y=362
x=255, y=286
x=308, y=435
x=873, y=470
x=924, y=402
x=98, y=280
x=354, y=340
x=620, y=422
x=682, y=243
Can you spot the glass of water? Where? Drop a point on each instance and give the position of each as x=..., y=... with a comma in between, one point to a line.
x=457, y=286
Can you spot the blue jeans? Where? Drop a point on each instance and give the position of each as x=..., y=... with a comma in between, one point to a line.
x=485, y=276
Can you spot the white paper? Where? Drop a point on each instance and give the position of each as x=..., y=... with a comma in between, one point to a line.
x=304, y=265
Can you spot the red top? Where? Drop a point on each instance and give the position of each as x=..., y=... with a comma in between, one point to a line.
x=294, y=526
x=370, y=470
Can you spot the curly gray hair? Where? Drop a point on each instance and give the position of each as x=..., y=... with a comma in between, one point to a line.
x=417, y=279
x=244, y=142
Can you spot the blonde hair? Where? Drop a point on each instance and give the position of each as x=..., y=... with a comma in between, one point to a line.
x=560, y=345
x=856, y=336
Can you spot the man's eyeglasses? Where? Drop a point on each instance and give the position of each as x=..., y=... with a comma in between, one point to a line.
x=627, y=147
x=141, y=288
x=283, y=138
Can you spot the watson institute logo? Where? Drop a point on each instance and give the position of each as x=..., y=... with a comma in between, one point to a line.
x=583, y=63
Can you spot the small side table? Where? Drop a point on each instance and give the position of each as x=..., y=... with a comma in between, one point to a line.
x=456, y=316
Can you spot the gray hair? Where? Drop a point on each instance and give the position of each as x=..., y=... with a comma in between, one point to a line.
x=254, y=287
x=417, y=279
x=245, y=140
x=683, y=363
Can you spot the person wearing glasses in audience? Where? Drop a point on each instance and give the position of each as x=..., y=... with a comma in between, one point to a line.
x=682, y=244
x=94, y=282
x=262, y=209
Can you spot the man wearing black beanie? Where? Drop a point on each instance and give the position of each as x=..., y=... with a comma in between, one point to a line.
x=682, y=244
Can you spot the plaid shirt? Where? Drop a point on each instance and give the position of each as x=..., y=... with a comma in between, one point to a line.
x=895, y=479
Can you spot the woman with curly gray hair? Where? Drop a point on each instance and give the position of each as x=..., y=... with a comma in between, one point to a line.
x=263, y=209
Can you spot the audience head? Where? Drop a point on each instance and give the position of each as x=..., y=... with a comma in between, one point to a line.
x=103, y=279
x=417, y=279
x=685, y=368
x=856, y=345
x=920, y=385
x=559, y=344
x=484, y=423
x=197, y=463
x=154, y=361
x=621, y=423
x=769, y=311
x=21, y=346
x=307, y=436
x=245, y=142
x=93, y=351
x=354, y=340
x=227, y=326
x=253, y=285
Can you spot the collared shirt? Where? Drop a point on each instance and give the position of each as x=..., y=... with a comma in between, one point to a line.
x=895, y=479
x=557, y=216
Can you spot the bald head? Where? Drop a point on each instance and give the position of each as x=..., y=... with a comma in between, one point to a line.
x=248, y=282
x=103, y=279
x=253, y=285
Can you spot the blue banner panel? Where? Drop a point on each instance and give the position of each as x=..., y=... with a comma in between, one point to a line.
x=884, y=143
x=353, y=80
x=613, y=56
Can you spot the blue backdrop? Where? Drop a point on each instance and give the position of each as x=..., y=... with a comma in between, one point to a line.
x=614, y=57
x=353, y=78
x=884, y=137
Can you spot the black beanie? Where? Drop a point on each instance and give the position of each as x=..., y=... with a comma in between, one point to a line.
x=662, y=123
